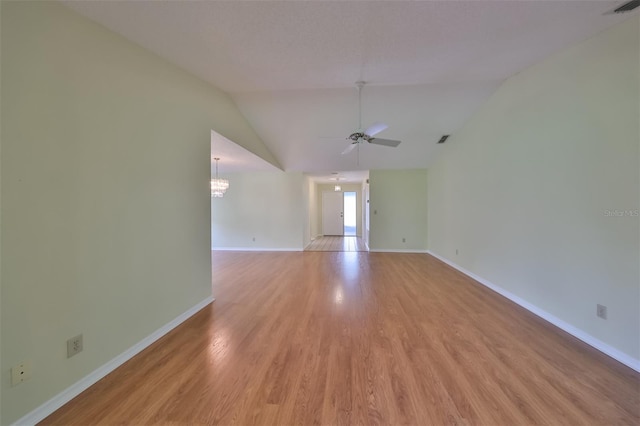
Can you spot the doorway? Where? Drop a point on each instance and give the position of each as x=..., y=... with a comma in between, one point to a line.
x=350, y=214
x=339, y=220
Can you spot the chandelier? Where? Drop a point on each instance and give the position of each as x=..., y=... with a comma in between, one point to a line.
x=218, y=186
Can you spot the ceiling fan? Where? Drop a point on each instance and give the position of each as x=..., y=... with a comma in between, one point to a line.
x=367, y=135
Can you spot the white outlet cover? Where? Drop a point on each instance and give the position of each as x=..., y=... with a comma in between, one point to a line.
x=74, y=346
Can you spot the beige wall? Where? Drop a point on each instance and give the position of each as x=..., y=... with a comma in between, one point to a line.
x=398, y=209
x=520, y=195
x=267, y=206
x=105, y=195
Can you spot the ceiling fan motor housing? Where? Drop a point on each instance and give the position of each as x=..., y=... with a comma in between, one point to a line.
x=357, y=136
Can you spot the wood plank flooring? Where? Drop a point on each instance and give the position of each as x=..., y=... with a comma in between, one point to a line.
x=337, y=243
x=359, y=338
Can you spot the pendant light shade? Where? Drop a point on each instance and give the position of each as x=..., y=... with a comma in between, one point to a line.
x=218, y=186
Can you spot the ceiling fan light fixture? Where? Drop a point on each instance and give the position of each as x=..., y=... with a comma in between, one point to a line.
x=367, y=135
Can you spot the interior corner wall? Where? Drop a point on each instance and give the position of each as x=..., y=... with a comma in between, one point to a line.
x=260, y=211
x=311, y=227
x=398, y=210
x=306, y=225
x=105, y=188
x=365, y=210
x=1, y=365
x=345, y=187
x=539, y=192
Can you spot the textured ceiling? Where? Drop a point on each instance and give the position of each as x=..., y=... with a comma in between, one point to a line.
x=291, y=66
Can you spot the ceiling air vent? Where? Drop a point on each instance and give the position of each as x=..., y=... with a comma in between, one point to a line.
x=444, y=137
x=627, y=7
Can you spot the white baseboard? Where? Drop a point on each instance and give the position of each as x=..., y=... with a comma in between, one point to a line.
x=574, y=331
x=396, y=251
x=81, y=385
x=254, y=249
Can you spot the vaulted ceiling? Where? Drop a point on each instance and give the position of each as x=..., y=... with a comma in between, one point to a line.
x=291, y=66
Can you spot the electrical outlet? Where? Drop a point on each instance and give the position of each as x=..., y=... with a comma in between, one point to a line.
x=74, y=345
x=20, y=373
x=456, y=251
x=404, y=240
x=254, y=239
x=601, y=311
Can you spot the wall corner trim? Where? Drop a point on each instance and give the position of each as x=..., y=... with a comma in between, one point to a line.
x=44, y=410
x=605, y=348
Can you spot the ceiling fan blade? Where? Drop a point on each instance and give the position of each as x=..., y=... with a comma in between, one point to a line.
x=375, y=128
x=349, y=148
x=385, y=142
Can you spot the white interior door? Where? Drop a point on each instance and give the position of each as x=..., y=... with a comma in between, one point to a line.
x=332, y=213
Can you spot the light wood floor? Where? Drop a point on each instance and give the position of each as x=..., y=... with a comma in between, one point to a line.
x=336, y=243
x=359, y=338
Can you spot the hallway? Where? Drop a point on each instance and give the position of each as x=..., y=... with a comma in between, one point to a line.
x=337, y=243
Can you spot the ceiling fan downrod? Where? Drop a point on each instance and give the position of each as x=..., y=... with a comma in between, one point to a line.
x=359, y=84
